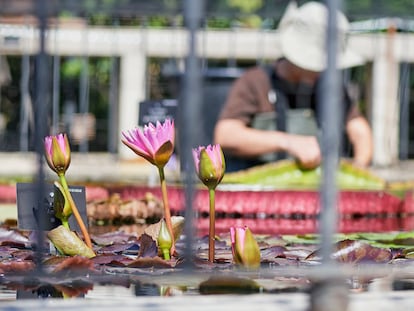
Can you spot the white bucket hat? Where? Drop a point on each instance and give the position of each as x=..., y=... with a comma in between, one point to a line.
x=303, y=37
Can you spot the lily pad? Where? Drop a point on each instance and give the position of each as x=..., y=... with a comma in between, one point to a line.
x=228, y=285
x=287, y=174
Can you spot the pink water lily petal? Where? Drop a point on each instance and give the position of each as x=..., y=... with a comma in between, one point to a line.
x=241, y=237
x=196, y=156
x=62, y=143
x=147, y=145
x=237, y=237
x=48, y=145
x=138, y=142
x=214, y=153
x=151, y=136
x=148, y=141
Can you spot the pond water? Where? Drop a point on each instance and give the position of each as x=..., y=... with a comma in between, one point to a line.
x=283, y=226
x=286, y=273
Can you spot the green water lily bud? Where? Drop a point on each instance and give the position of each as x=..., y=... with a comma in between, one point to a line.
x=244, y=247
x=57, y=152
x=164, y=240
x=210, y=164
x=61, y=204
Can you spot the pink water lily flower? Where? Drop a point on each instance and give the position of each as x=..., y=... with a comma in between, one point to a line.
x=57, y=152
x=244, y=247
x=209, y=164
x=155, y=143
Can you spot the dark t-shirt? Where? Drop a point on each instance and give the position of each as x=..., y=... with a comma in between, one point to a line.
x=249, y=96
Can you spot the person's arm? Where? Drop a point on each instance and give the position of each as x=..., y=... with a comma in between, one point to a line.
x=360, y=136
x=240, y=140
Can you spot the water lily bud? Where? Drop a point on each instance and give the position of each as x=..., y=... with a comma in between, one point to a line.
x=61, y=205
x=155, y=143
x=164, y=240
x=210, y=164
x=57, y=152
x=244, y=247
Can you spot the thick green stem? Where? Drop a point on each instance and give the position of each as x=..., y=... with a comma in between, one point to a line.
x=166, y=254
x=212, y=227
x=75, y=211
x=167, y=212
x=65, y=223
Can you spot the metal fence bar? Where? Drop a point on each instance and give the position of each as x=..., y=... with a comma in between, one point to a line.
x=84, y=101
x=189, y=117
x=330, y=134
x=330, y=290
x=56, y=94
x=24, y=103
x=404, y=94
x=113, y=98
x=40, y=113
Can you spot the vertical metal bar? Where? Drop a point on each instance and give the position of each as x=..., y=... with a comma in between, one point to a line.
x=84, y=95
x=113, y=98
x=24, y=103
x=404, y=93
x=56, y=94
x=113, y=105
x=84, y=100
x=189, y=115
x=40, y=111
x=331, y=289
x=330, y=134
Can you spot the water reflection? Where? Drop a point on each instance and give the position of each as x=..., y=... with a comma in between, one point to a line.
x=91, y=291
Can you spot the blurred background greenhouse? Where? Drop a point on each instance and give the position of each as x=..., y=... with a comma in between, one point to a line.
x=114, y=64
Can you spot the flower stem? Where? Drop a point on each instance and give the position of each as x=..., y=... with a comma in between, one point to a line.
x=75, y=211
x=167, y=212
x=166, y=254
x=212, y=227
x=65, y=223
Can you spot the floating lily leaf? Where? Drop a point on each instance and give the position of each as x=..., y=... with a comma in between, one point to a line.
x=302, y=239
x=113, y=260
x=148, y=247
x=388, y=240
x=154, y=262
x=118, y=248
x=350, y=251
x=13, y=237
x=228, y=285
x=74, y=265
x=16, y=266
x=287, y=174
x=404, y=238
x=110, y=238
x=272, y=252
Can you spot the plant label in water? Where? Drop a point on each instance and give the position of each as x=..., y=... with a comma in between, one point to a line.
x=41, y=215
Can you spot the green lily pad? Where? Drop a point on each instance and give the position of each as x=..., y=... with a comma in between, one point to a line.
x=287, y=174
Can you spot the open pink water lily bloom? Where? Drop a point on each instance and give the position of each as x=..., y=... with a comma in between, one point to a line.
x=209, y=164
x=244, y=247
x=57, y=152
x=154, y=143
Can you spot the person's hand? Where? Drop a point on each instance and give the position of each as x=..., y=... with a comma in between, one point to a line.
x=305, y=149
